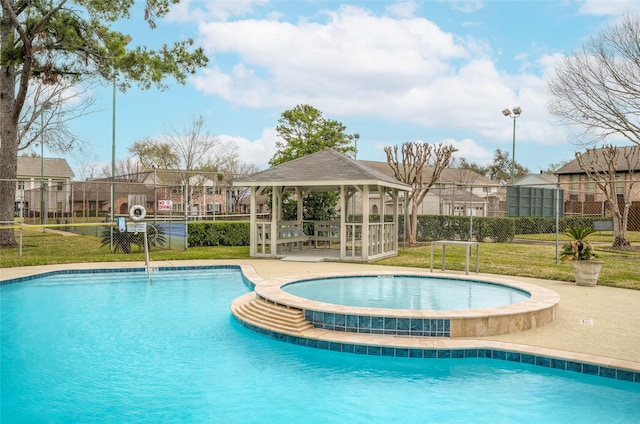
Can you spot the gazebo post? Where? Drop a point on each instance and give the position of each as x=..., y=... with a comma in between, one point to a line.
x=300, y=207
x=382, y=194
x=253, y=223
x=343, y=223
x=365, y=223
x=396, y=203
x=276, y=211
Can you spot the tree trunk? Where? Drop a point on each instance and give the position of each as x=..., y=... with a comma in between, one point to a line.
x=8, y=150
x=620, y=220
x=412, y=227
x=8, y=171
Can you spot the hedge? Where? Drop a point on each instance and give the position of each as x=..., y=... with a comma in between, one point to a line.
x=219, y=233
x=430, y=227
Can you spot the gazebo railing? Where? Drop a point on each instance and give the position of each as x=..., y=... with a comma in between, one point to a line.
x=382, y=236
x=292, y=235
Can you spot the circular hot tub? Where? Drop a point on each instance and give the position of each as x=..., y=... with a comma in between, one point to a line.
x=407, y=292
x=416, y=304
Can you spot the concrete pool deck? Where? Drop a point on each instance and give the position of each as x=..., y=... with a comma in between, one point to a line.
x=593, y=324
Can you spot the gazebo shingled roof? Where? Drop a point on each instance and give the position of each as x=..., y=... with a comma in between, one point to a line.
x=327, y=168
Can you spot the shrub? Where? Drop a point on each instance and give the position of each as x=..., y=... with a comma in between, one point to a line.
x=219, y=233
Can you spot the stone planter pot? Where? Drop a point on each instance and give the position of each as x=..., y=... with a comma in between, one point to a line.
x=586, y=272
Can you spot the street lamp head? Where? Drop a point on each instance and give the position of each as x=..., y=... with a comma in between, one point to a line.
x=506, y=112
x=517, y=111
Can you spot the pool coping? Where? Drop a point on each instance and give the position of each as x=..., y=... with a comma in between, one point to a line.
x=448, y=347
x=538, y=310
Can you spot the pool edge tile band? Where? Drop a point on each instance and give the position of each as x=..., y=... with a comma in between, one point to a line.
x=455, y=353
x=118, y=270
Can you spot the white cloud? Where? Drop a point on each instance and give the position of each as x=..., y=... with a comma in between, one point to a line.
x=403, y=9
x=257, y=152
x=467, y=6
x=608, y=8
x=355, y=63
x=470, y=150
x=220, y=10
x=356, y=60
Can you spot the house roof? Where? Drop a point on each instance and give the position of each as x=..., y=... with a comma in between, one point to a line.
x=448, y=175
x=54, y=168
x=537, y=179
x=459, y=196
x=573, y=167
x=101, y=189
x=327, y=168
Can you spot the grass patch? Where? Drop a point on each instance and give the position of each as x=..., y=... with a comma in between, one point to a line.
x=621, y=268
x=53, y=248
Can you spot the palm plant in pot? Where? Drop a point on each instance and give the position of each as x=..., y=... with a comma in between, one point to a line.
x=586, y=268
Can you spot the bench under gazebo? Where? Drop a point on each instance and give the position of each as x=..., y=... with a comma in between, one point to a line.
x=354, y=237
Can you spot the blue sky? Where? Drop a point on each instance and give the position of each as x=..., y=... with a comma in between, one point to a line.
x=433, y=71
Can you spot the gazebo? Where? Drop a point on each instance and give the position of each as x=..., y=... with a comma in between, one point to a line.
x=363, y=237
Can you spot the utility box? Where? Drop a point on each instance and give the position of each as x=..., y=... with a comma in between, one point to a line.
x=523, y=201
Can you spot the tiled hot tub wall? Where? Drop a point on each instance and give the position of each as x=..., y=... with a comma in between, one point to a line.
x=379, y=325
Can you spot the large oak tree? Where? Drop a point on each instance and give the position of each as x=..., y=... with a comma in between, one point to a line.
x=50, y=41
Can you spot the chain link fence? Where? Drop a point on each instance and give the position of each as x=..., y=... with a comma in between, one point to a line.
x=536, y=214
x=84, y=207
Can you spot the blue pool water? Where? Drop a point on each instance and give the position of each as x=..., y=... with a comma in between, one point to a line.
x=111, y=348
x=406, y=292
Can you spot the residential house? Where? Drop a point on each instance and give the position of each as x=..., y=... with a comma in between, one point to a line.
x=42, y=187
x=206, y=193
x=457, y=192
x=583, y=196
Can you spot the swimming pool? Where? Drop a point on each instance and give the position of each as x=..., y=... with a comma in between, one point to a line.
x=110, y=347
x=407, y=292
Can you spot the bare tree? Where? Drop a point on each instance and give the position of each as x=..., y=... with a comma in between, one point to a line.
x=597, y=89
x=191, y=148
x=47, y=111
x=88, y=170
x=151, y=153
x=130, y=168
x=234, y=170
x=612, y=169
x=410, y=168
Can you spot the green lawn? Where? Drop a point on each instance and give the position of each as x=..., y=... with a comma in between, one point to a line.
x=621, y=269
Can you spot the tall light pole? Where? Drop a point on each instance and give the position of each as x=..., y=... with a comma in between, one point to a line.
x=113, y=154
x=517, y=111
x=113, y=162
x=42, y=212
x=43, y=199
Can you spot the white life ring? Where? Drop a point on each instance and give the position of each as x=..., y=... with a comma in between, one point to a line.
x=137, y=213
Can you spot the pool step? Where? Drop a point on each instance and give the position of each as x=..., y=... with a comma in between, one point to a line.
x=265, y=314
